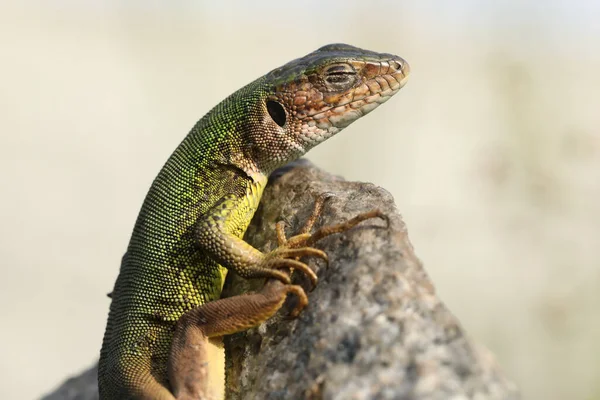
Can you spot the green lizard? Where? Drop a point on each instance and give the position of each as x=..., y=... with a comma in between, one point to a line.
x=163, y=337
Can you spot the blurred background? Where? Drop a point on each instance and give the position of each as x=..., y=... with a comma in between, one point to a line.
x=492, y=151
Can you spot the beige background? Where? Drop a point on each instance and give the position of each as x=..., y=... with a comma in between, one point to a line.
x=492, y=152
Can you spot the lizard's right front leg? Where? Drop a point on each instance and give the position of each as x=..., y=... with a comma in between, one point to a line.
x=219, y=233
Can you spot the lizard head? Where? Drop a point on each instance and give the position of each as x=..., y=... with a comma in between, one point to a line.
x=312, y=98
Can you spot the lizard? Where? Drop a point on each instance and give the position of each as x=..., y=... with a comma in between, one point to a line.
x=163, y=338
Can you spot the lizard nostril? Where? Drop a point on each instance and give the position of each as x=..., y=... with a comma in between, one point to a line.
x=401, y=66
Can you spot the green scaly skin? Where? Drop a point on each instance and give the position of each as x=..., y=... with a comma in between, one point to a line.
x=190, y=228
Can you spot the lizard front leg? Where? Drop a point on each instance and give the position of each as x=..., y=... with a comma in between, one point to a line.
x=219, y=233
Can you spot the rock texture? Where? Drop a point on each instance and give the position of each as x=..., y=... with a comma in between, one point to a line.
x=81, y=387
x=374, y=328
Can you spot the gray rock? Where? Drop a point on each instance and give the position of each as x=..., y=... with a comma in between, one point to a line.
x=374, y=328
x=80, y=387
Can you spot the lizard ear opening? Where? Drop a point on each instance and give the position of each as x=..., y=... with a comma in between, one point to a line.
x=277, y=112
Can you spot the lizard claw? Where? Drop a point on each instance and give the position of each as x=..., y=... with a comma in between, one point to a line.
x=297, y=265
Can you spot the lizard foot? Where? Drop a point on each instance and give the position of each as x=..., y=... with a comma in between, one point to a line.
x=301, y=244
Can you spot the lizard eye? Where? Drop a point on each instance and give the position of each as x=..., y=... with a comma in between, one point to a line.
x=277, y=112
x=340, y=76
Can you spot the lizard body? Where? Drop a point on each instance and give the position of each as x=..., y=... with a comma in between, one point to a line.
x=165, y=304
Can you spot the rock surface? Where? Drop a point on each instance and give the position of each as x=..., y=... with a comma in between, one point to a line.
x=374, y=328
